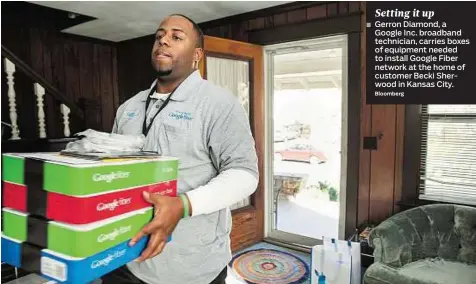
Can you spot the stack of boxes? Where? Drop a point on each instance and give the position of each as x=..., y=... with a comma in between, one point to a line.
x=71, y=219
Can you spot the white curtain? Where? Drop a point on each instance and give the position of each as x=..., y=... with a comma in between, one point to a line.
x=234, y=76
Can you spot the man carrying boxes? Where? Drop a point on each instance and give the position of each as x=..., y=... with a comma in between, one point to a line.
x=205, y=126
x=187, y=238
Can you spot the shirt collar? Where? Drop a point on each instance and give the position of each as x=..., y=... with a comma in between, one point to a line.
x=155, y=95
x=184, y=90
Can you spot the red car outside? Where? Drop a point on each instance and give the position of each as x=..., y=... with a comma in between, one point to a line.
x=301, y=152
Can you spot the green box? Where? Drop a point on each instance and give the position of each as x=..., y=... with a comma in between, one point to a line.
x=80, y=240
x=80, y=177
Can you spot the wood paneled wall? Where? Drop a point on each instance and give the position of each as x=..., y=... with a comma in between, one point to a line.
x=242, y=27
x=380, y=177
x=134, y=66
x=380, y=181
x=80, y=68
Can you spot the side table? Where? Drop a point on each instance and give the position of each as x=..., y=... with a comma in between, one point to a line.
x=366, y=253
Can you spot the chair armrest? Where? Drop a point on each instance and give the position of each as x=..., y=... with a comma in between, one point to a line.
x=390, y=245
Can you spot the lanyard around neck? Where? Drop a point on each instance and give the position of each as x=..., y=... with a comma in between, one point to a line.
x=145, y=128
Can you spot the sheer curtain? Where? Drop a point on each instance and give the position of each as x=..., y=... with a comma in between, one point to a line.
x=234, y=76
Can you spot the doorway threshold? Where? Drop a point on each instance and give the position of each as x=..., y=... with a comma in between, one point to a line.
x=294, y=246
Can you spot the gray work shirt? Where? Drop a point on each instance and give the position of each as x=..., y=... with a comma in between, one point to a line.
x=208, y=130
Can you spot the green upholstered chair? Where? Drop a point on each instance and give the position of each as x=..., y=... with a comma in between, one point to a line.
x=431, y=244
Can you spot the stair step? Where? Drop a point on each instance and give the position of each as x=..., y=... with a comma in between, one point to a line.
x=9, y=274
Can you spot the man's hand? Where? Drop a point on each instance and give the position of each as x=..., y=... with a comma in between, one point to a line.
x=168, y=212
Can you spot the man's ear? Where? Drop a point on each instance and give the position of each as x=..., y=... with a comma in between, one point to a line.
x=198, y=55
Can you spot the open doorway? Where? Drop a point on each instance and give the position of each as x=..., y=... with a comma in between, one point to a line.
x=307, y=139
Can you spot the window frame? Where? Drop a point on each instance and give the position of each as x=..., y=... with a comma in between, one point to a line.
x=411, y=161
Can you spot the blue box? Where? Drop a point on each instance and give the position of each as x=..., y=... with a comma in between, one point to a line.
x=66, y=269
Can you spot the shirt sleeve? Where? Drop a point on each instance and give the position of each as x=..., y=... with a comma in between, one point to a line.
x=232, y=150
x=231, y=142
x=228, y=188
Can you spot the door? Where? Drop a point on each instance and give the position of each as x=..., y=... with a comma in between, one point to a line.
x=306, y=106
x=238, y=66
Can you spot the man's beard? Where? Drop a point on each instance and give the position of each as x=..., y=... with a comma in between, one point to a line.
x=163, y=73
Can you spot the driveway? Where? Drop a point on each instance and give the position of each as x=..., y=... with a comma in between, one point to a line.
x=309, y=213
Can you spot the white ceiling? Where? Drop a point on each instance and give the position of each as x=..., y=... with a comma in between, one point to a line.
x=118, y=21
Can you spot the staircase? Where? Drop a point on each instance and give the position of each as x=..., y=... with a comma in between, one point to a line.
x=72, y=113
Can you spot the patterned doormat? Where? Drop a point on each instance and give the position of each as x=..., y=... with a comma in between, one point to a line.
x=265, y=266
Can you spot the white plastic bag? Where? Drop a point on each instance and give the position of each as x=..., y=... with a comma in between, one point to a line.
x=337, y=261
x=103, y=142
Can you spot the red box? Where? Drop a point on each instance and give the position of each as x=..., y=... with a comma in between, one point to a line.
x=83, y=210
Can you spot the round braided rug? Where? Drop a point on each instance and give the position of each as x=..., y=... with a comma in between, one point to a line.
x=262, y=266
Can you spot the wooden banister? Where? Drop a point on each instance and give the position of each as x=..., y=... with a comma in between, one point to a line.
x=45, y=84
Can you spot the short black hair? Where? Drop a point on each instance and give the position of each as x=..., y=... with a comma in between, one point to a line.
x=197, y=29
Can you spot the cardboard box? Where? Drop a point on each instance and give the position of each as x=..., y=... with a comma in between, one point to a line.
x=65, y=269
x=88, y=208
x=74, y=217
x=79, y=177
x=74, y=240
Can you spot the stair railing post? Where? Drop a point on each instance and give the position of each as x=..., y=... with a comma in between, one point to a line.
x=65, y=111
x=40, y=93
x=10, y=69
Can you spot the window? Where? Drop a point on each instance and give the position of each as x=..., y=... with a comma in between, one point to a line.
x=448, y=154
x=232, y=74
